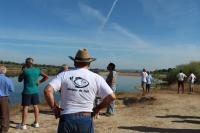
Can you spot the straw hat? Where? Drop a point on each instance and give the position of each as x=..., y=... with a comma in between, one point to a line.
x=82, y=56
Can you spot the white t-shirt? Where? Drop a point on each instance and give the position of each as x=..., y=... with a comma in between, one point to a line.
x=191, y=78
x=181, y=76
x=79, y=87
x=144, y=77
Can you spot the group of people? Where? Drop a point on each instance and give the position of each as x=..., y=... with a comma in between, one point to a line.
x=146, y=81
x=181, y=78
x=78, y=88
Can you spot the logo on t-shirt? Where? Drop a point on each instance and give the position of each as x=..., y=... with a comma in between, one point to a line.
x=79, y=82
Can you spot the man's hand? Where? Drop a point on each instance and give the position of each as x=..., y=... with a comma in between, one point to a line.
x=56, y=110
x=48, y=92
x=95, y=112
x=23, y=66
x=38, y=83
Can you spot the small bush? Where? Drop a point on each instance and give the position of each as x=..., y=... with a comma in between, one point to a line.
x=186, y=68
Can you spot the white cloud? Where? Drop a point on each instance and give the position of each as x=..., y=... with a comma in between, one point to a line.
x=90, y=12
x=119, y=30
x=114, y=43
x=173, y=13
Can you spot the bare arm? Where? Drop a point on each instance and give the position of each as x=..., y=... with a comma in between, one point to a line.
x=45, y=77
x=109, y=79
x=48, y=93
x=106, y=101
x=21, y=76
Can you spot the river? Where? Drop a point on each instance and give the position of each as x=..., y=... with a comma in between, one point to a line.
x=124, y=84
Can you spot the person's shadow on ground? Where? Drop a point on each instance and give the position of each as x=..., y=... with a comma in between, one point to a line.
x=15, y=123
x=179, y=116
x=160, y=130
x=183, y=117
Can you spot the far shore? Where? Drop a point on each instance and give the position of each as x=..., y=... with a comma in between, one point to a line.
x=123, y=73
x=15, y=72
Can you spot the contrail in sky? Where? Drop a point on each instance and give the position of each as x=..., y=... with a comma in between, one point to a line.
x=109, y=14
x=104, y=23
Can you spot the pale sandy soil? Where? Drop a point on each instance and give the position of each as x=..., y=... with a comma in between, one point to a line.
x=163, y=111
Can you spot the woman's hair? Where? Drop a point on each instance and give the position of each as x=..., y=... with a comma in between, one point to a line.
x=112, y=65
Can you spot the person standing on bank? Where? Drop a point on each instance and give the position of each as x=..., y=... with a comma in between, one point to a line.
x=30, y=96
x=79, y=87
x=181, y=77
x=149, y=79
x=6, y=87
x=63, y=68
x=111, y=81
x=191, y=80
x=143, y=81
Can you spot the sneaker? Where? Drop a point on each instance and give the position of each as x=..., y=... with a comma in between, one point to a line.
x=36, y=125
x=21, y=126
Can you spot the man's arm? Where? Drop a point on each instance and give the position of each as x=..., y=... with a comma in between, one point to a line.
x=109, y=79
x=21, y=76
x=106, y=101
x=45, y=77
x=48, y=93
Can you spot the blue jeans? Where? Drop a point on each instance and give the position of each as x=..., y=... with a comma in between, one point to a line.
x=73, y=123
x=111, y=108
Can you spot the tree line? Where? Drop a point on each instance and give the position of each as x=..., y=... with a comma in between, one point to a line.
x=171, y=73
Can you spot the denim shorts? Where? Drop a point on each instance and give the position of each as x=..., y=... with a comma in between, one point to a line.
x=75, y=123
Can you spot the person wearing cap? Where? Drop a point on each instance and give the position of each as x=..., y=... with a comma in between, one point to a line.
x=6, y=87
x=30, y=75
x=79, y=87
x=111, y=81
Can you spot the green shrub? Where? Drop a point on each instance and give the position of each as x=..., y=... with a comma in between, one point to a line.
x=186, y=68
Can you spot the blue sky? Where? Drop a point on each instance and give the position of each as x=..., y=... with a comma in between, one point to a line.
x=134, y=34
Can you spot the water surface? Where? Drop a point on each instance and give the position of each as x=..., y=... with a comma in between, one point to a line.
x=124, y=84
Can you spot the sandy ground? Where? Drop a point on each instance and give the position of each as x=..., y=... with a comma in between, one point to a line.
x=162, y=111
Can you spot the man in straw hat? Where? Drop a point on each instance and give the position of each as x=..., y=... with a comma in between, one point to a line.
x=79, y=87
x=6, y=87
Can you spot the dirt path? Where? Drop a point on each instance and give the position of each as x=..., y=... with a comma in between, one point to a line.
x=164, y=111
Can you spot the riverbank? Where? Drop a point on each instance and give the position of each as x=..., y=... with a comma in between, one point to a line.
x=162, y=111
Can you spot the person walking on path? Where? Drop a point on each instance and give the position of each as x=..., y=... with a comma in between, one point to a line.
x=79, y=87
x=143, y=81
x=111, y=81
x=149, y=79
x=181, y=77
x=6, y=87
x=191, y=80
x=30, y=75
